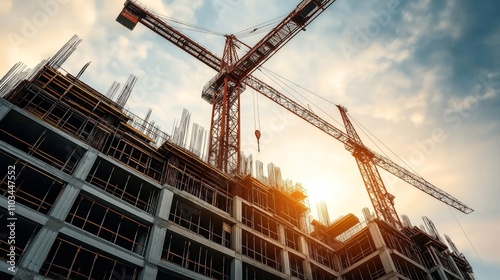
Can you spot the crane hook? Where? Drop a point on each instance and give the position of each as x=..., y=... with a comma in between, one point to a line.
x=257, y=135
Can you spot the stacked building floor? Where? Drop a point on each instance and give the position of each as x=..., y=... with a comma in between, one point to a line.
x=102, y=194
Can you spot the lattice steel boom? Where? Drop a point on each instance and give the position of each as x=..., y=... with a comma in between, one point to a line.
x=234, y=73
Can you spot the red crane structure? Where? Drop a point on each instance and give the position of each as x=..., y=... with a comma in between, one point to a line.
x=234, y=74
x=223, y=91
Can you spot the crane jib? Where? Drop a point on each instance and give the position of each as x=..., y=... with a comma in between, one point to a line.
x=240, y=74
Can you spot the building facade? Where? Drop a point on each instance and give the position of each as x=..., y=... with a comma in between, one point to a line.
x=100, y=193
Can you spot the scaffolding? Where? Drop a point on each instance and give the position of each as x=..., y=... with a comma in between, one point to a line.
x=124, y=185
x=195, y=257
x=261, y=250
x=23, y=237
x=108, y=223
x=200, y=221
x=69, y=259
x=35, y=188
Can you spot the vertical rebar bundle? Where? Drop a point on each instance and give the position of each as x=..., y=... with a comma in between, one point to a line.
x=125, y=94
x=180, y=131
x=112, y=90
x=13, y=76
x=62, y=55
x=196, y=142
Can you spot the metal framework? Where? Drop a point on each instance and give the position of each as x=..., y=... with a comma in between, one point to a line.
x=224, y=89
x=382, y=201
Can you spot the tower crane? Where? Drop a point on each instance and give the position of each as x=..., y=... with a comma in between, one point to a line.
x=234, y=74
x=382, y=201
x=223, y=91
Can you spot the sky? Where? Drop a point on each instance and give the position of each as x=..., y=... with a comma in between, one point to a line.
x=420, y=77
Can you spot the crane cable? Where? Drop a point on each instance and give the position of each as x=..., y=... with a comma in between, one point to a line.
x=189, y=26
x=256, y=119
x=364, y=129
x=259, y=28
x=368, y=133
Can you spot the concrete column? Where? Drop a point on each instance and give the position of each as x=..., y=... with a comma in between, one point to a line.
x=303, y=223
x=307, y=269
x=385, y=257
x=237, y=239
x=237, y=209
x=237, y=235
x=164, y=204
x=3, y=110
x=285, y=260
x=37, y=251
x=148, y=272
x=155, y=244
x=86, y=162
x=65, y=201
x=236, y=269
x=303, y=248
x=281, y=234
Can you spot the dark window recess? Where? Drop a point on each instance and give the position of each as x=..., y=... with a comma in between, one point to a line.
x=68, y=259
x=289, y=212
x=408, y=269
x=132, y=152
x=292, y=238
x=296, y=267
x=40, y=142
x=356, y=249
x=170, y=275
x=261, y=250
x=124, y=185
x=251, y=272
x=322, y=254
x=259, y=221
x=34, y=188
x=199, y=187
x=370, y=269
x=195, y=257
x=109, y=224
x=320, y=274
x=24, y=233
x=402, y=244
x=201, y=222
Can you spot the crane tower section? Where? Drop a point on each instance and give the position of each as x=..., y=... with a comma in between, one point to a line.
x=223, y=90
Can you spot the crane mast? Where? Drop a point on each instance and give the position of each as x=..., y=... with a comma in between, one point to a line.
x=224, y=89
x=234, y=73
x=382, y=201
x=381, y=161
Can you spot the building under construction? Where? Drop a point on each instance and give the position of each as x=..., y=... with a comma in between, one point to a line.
x=96, y=192
x=103, y=194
